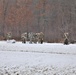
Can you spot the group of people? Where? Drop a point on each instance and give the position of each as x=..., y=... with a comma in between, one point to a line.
x=31, y=37
x=36, y=37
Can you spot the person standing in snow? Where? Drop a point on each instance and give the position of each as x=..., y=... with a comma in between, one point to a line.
x=66, y=40
x=24, y=37
x=40, y=37
x=31, y=37
x=8, y=35
x=35, y=38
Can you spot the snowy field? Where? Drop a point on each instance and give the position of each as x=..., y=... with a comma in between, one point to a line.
x=37, y=59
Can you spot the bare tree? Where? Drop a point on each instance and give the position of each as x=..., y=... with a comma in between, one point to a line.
x=5, y=7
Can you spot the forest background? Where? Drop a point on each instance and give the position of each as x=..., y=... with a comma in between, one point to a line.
x=52, y=17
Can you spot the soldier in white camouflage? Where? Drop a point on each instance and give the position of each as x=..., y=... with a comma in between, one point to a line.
x=40, y=37
x=30, y=36
x=24, y=37
x=35, y=38
x=66, y=40
x=8, y=35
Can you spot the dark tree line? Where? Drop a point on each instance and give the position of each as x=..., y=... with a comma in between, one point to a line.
x=52, y=17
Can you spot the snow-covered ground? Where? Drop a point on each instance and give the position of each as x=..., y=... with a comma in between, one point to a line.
x=37, y=59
